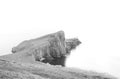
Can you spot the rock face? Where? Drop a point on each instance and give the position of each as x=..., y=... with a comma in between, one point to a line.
x=44, y=58
x=52, y=48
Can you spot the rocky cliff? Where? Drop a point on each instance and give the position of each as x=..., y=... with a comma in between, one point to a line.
x=44, y=58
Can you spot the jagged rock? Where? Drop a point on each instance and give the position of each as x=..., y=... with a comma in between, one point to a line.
x=32, y=59
x=71, y=44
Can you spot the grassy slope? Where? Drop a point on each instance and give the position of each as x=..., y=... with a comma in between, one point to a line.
x=37, y=70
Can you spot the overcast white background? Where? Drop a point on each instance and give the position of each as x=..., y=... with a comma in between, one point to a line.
x=95, y=22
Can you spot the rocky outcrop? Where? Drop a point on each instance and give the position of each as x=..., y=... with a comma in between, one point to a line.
x=52, y=48
x=44, y=58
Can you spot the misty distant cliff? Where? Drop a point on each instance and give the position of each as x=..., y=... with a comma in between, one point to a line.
x=44, y=58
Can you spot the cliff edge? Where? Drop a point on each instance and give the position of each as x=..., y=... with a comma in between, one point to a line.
x=44, y=58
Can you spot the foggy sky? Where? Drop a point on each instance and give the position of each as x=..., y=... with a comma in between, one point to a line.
x=95, y=23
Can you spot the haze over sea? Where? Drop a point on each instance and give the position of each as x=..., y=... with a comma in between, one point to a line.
x=96, y=23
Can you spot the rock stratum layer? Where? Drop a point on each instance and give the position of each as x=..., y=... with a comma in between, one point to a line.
x=44, y=58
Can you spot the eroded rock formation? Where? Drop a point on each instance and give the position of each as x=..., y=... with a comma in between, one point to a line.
x=52, y=48
x=31, y=59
